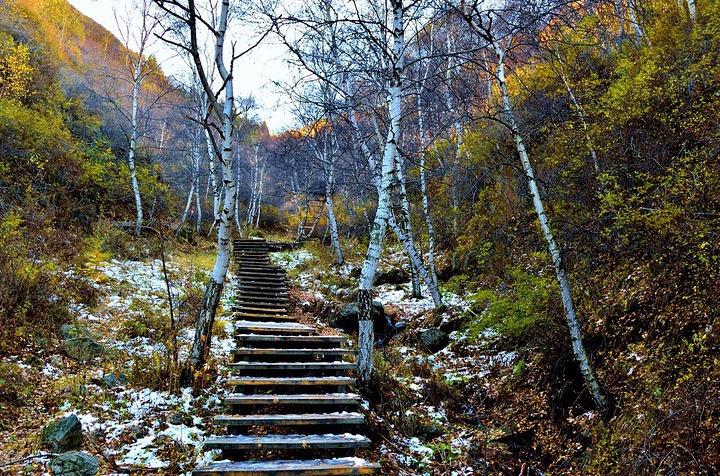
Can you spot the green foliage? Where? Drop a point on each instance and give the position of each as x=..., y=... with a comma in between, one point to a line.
x=526, y=314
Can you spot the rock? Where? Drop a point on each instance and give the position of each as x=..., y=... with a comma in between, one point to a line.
x=391, y=276
x=75, y=464
x=434, y=339
x=113, y=380
x=73, y=331
x=176, y=419
x=63, y=435
x=450, y=324
x=429, y=431
x=81, y=348
x=347, y=318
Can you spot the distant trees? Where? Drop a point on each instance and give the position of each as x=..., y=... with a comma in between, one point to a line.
x=139, y=67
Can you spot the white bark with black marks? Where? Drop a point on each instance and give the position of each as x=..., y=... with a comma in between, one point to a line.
x=573, y=324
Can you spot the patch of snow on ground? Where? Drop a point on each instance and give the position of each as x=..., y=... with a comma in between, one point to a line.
x=291, y=259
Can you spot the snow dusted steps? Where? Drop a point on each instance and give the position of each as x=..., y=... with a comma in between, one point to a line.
x=287, y=442
x=315, y=467
x=293, y=382
x=338, y=418
x=329, y=399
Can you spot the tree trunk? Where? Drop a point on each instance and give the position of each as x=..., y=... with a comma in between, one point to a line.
x=423, y=188
x=581, y=115
x=183, y=218
x=213, y=179
x=407, y=226
x=377, y=235
x=137, y=79
x=591, y=382
x=203, y=330
x=692, y=11
x=259, y=197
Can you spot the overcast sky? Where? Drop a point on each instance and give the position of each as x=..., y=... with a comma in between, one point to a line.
x=253, y=76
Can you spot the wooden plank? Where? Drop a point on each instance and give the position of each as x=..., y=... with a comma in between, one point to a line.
x=286, y=352
x=294, y=381
x=246, y=316
x=286, y=442
x=298, y=399
x=317, y=467
x=260, y=310
x=275, y=327
x=312, y=339
x=296, y=366
x=340, y=418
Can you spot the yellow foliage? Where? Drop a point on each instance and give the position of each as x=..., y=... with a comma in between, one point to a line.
x=16, y=70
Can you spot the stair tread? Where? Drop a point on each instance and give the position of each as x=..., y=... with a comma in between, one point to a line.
x=301, y=398
x=346, y=440
x=348, y=418
x=319, y=467
x=291, y=380
x=262, y=326
x=253, y=350
x=294, y=365
x=272, y=338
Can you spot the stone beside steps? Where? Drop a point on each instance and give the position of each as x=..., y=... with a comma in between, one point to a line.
x=290, y=411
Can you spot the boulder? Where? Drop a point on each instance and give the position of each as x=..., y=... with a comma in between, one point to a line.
x=391, y=276
x=434, y=339
x=74, y=464
x=73, y=331
x=81, y=348
x=113, y=380
x=63, y=435
x=346, y=318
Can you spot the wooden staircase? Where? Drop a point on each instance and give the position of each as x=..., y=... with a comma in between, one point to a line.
x=292, y=412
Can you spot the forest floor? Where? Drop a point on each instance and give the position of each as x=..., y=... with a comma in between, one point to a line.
x=424, y=414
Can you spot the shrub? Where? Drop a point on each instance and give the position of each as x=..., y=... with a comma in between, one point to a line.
x=527, y=313
x=34, y=297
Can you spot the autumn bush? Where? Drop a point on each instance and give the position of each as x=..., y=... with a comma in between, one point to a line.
x=33, y=298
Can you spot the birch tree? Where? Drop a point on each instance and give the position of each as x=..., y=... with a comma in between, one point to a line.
x=140, y=68
x=499, y=28
x=185, y=22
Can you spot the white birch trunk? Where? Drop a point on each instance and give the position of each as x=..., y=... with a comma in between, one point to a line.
x=259, y=197
x=581, y=115
x=423, y=186
x=407, y=226
x=332, y=221
x=137, y=80
x=637, y=29
x=188, y=203
x=692, y=11
x=377, y=234
x=591, y=382
x=203, y=332
x=213, y=179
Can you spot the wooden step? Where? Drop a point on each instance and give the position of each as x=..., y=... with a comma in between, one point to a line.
x=242, y=273
x=289, y=352
x=247, y=316
x=245, y=327
x=308, y=339
x=298, y=399
x=286, y=442
x=339, y=418
x=315, y=467
x=291, y=381
x=275, y=310
x=337, y=366
x=258, y=269
x=244, y=300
